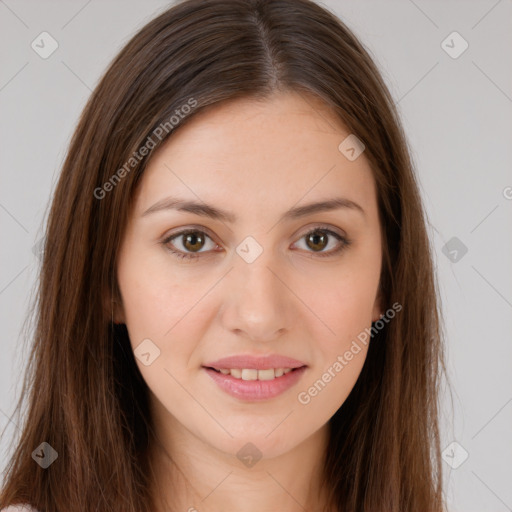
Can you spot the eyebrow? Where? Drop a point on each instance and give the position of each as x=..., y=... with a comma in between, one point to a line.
x=206, y=210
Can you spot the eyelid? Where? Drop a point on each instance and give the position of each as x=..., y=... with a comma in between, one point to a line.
x=319, y=226
x=339, y=234
x=183, y=231
x=189, y=228
x=343, y=241
x=304, y=230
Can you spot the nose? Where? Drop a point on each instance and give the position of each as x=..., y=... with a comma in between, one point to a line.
x=258, y=304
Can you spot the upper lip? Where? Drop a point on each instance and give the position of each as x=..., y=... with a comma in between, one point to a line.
x=257, y=362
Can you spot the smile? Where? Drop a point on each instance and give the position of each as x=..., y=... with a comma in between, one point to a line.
x=249, y=384
x=253, y=373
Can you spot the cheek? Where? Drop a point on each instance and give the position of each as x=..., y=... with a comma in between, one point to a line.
x=153, y=294
x=167, y=307
x=341, y=339
x=340, y=343
x=158, y=309
x=344, y=303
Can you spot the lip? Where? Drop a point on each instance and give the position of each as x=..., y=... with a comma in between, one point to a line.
x=255, y=390
x=256, y=362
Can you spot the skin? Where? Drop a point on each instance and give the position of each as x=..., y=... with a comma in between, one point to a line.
x=257, y=160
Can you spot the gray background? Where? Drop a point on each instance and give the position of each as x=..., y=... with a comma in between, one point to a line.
x=456, y=113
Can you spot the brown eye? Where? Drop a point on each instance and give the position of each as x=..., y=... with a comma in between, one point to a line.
x=185, y=243
x=192, y=241
x=317, y=240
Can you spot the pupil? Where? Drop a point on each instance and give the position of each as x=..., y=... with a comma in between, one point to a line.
x=318, y=239
x=194, y=238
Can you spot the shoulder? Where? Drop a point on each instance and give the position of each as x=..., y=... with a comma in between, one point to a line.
x=18, y=508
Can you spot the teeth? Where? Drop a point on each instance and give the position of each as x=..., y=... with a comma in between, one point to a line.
x=249, y=374
x=253, y=374
x=264, y=374
x=235, y=372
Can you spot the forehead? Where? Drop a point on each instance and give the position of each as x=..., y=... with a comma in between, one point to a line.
x=248, y=155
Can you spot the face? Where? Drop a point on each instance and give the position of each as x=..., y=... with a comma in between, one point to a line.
x=253, y=282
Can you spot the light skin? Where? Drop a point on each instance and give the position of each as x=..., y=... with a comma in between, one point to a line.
x=255, y=159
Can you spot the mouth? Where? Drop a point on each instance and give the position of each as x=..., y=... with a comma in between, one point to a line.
x=250, y=374
x=255, y=385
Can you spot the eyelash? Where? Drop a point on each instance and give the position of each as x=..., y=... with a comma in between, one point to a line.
x=345, y=242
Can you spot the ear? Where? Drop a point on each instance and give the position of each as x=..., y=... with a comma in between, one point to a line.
x=118, y=312
x=113, y=307
x=377, y=311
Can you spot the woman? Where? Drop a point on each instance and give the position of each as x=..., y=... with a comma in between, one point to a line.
x=237, y=305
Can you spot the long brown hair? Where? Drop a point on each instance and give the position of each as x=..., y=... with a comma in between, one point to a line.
x=86, y=397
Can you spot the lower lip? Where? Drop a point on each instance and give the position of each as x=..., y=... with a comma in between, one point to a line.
x=256, y=390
